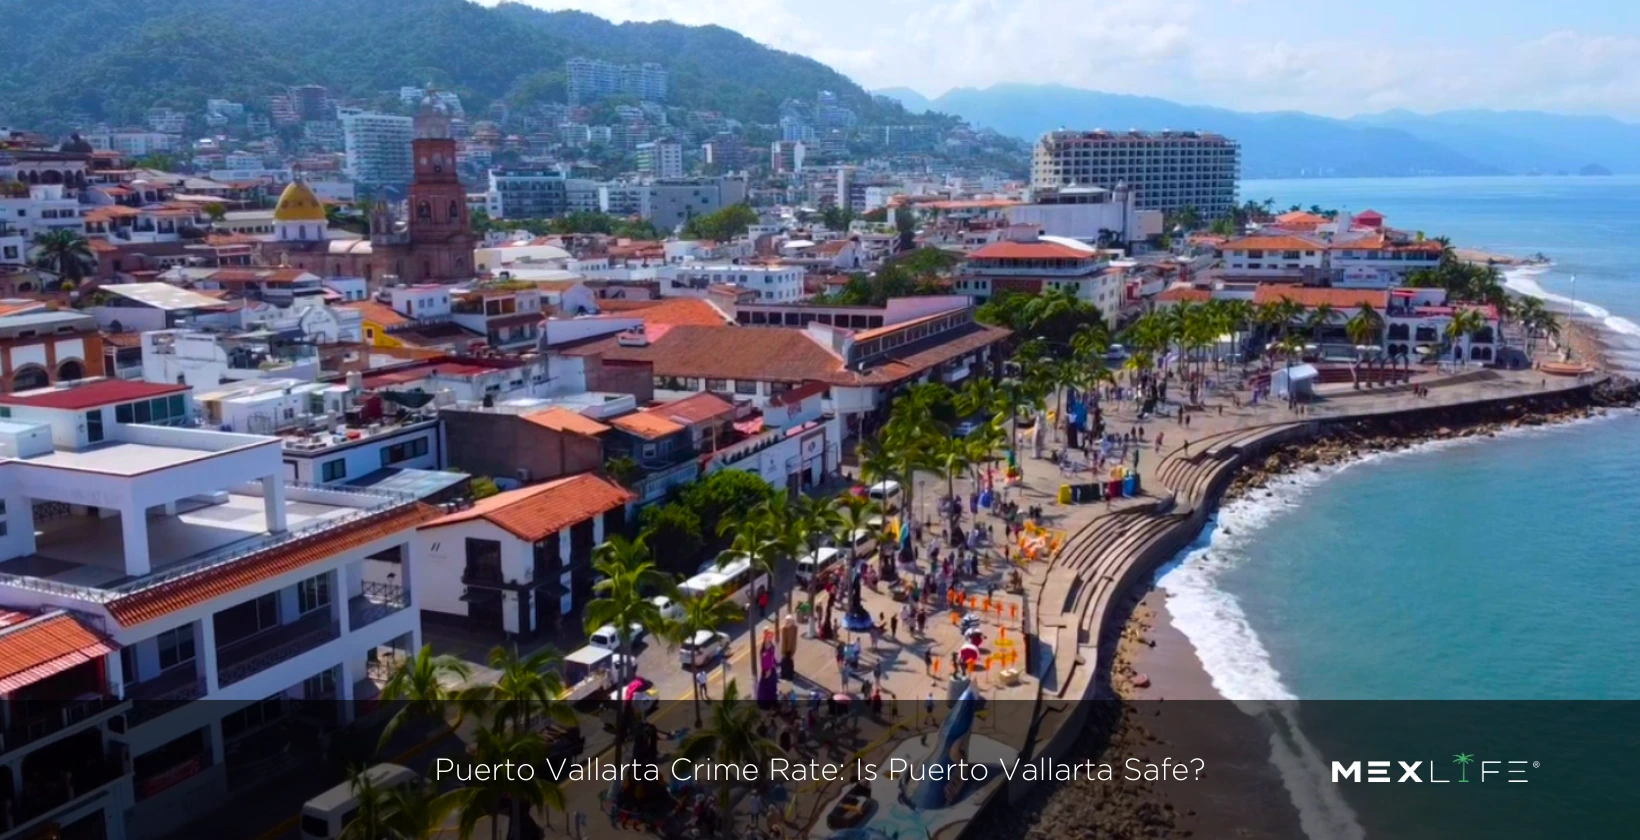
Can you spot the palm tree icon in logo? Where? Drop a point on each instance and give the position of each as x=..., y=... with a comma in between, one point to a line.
x=1463, y=760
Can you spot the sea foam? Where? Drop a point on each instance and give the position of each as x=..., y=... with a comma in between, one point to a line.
x=1524, y=280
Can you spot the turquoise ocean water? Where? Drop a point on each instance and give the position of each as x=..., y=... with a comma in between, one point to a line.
x=1504, y=568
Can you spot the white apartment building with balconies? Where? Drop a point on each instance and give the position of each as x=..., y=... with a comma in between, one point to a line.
x=377, y=148
x=206, y=575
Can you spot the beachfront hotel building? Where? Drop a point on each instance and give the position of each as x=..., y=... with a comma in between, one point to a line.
x=193, y=571
x=1166, y=170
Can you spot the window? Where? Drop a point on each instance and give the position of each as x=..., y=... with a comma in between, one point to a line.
x=94, y=425
x=720, y=386
x=404, y=451
x=313, y=593
x=322, y=684
x=333, y=470
x=746, y=386
x=176, y=646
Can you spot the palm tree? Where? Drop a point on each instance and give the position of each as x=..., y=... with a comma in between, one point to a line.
x=731, y=738
x=1238, y=317
x=65, y=253
x=486, y=798
x=954, y=456
x=1464, y=323
x=815, y=520
x=417, y=812
x=766, y=539
x=1363, y=329
x=427, y=685
x=707, y=611
x=1321, y=317
x=370, y=817
x=527, y=690
x=628, y=570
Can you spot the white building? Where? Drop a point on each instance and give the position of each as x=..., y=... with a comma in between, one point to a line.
x=1167, y=170
x=377, y=148
x=772, y=283
x=208, y=359
x=526, y=194
x=660, y=159
x=622, y=199
x=210, y=578
x=320, y=445
x=1025, y=263
x=46, y=208
x=519, y=562
x=1272, y=256
x=1088, y=214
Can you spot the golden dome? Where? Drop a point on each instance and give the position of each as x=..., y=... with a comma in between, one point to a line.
x=298, y=204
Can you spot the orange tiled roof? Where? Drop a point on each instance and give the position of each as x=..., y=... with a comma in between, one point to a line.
x=198, y=588
x=1271, y=243
x=1311, y=297
x=1185, y=293
x=696, y=409
x=533, y=513
x=36, y=648
x=13, y=308
x=1379, y=242
x=646, y=425
x=564, y=420
x=782, y=354
x=671, y=311
x=377, y=313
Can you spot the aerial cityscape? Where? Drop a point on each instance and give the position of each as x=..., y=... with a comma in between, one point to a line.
x=435, y=419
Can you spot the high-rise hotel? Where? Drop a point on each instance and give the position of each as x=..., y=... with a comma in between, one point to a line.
x=1168, y=170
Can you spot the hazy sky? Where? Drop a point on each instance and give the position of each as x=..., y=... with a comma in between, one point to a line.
x=1337, y=58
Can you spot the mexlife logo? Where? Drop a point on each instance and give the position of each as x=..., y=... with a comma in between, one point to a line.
x=1427, y=771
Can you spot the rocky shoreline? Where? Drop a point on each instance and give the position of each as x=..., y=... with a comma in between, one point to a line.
x=1347, y=441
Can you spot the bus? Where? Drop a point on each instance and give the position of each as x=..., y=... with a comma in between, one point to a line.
x=739, y=580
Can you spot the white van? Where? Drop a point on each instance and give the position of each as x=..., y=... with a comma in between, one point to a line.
x=862, y=543
x=605, y=637
x=809, y=566
x=324, y=816
x=885, y=493
x=703, y=649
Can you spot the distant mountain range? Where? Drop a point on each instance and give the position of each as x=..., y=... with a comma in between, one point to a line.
x=1290, y=144
x=112, y=60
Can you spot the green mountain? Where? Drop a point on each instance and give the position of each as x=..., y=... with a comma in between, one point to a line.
x=69, y=62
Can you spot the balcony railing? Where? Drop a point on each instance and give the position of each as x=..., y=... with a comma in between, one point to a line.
x=55, y=716
x=52, y=796
x=376, y=602
x=247, y=657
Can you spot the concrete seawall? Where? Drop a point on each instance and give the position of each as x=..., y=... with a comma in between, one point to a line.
x=1062, y=709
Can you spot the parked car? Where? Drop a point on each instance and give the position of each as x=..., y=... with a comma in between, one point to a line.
x=703, y=649
x=670, y=610
x=605, y=637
